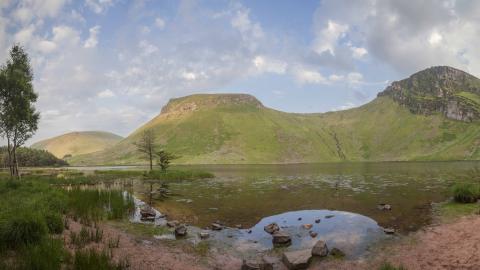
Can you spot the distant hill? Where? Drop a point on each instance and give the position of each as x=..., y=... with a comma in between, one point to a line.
x=432, y=115
x=77, y=143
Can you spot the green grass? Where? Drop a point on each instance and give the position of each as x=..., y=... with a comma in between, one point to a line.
x=32, y=212
x=466, y=192
x=453, y=210
x=389, y=266
x=92, y=259
x=381, y=130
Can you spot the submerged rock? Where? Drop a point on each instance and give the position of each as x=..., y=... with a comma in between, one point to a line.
x=281, y=238
x=337, y=253
x=320, y=249
x=329, y=216
x=313, y=234
x=317, y=220
x=299, y=259
x=271, y=228
x=307, y=226
x=181, y=230
x=147, y=212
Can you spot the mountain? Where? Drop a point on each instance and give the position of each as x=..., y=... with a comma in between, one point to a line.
x=432, y=115
x=77, y=143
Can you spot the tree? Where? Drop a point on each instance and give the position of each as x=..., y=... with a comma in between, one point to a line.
x=146, y=145
x=18, y=116
x=164, y=159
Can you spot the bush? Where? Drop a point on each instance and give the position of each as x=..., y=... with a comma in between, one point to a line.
x=23, y=229
x=465, y=193
x=54, y=223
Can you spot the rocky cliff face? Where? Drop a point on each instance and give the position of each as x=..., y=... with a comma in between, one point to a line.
x=202, y=101
x=445, y=90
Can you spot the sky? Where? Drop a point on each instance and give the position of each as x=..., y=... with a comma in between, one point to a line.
x=112, y=64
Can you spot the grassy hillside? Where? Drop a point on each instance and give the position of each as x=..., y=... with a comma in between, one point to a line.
x=238, y=129
x=77, y=143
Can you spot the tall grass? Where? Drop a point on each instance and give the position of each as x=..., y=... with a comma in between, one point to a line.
x=389, y=266
x=92, y=259
x=466, y=192
x=32, y=211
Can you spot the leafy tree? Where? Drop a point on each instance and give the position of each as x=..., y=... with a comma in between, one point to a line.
x=18, y=116
x=146, y=145
x=164, y=159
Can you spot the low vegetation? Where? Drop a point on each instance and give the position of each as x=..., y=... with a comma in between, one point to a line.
x=33, y=214
x=389, y=266
x=466, y=192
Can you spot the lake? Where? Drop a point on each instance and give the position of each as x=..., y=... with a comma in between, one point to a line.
x=292, y=195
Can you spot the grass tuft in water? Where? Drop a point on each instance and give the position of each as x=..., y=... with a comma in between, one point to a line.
x=466, y=192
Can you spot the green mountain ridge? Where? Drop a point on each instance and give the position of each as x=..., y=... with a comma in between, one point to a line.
x=238, y=129
x=77, y=143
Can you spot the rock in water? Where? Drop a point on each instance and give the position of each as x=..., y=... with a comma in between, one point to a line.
x=317, y=220
x=204, y=235
x=299, y=259
x=281, y=238
x=389, y=230
x=337, y=253
x=313, y=234
x=172, y=223
x=320, y=249
x=217, y=226
x=250, y=265
x=384, y=207
x=181, y=230
x=271, y=228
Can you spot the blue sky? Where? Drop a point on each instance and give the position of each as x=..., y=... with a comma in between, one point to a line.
x=112, y=64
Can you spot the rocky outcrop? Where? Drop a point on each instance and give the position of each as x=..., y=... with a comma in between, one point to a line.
x=444, y=90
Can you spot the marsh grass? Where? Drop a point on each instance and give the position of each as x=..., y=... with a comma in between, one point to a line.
x=92, y=259
x=32, y=211
x=466, y=192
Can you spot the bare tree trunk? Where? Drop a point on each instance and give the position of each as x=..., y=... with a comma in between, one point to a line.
x=15, y=161
x=10, y=165
x=151, y=160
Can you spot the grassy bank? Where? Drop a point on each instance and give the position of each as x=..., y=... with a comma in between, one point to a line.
x=34, y=214
x=170, y=175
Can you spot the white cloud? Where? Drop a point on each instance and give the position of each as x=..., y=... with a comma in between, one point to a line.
x=25, y=35
x=107, y=93
x=336, y=78
x=354, y=78
x=92, y=40
x=160, y=23
x=435, y=38
x=99, y=6
x=358, y=52
x=46, y=46
x=307, y=76
x=264, y=64
x=327, y=38
x=65, y=35
x=147, y=48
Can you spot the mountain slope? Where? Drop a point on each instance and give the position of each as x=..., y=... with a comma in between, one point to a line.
x=237, y=128
x=77, y=143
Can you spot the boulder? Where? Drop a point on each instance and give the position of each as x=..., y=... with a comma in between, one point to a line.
x=320, y=249
x=172, y=223
x=181, y=230
x=271, y=228
x=217, y=226
x=204, y=235
x=281, y=238
x=250, y=265
x=389, y=230
x=384, y=207
x=270, y=262
x=299, y=259
x=337, y=253
x=147, y=212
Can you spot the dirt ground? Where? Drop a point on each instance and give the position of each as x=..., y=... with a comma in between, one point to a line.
x=454, y=245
